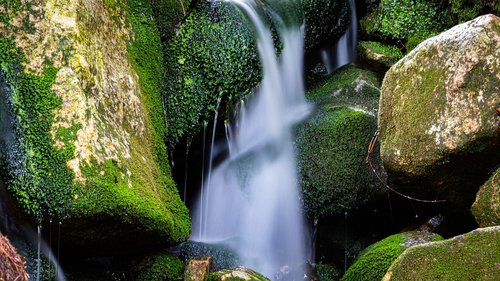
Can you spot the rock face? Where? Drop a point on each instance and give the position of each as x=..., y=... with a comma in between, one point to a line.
x=12, y=265
x=376, y=259
x=198, y=269
x=439, y=130
x=238, y=273
x=472, y=256
x=81, y=83
x=333, y=141
x=486, y=208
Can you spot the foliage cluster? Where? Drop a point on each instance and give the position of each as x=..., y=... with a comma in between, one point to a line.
x=401, y=20
x=163, y=267
x=205, y=64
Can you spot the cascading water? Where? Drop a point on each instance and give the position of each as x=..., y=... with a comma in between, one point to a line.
x=254, y=193
x=344, y=51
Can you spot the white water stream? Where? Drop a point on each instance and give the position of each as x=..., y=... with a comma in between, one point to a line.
x=252, y=201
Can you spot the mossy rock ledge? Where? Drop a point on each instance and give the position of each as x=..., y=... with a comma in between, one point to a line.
x=84, y=138
x=439, y=129
x=332, y=143
x=486, y=208
x=472, y=256
x=236, y=274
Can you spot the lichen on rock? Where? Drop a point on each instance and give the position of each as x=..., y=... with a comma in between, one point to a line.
x=438, y=126
x=486, y=208
x=85, y=82
x=472, y=256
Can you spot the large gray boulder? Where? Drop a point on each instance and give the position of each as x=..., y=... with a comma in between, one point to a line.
x=439, y=128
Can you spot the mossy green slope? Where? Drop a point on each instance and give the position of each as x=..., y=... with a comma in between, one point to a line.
x=332, y=143
x=486, y=208
x=89, y=130
x=374, y=261
x=472, y=256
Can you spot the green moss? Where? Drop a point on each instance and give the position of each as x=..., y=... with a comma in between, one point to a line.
x=378, y=52
x=205, y=64
x=123, y=188
x=486, y=208
x=327, y=272
x=399, y=20
x=332, y=143
x=31, y=179
x=473, y=256
x=374, y=261
x=164, y=267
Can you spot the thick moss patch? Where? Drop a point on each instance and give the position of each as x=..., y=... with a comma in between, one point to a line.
x=332, y=143
x=376, y=52
x=374, y=261
x=204, y=64
x=472, y=256
x=90, y=135
x=163, y=267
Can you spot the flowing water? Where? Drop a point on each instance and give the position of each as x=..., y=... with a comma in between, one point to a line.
x=253, y=199
x=344, y=51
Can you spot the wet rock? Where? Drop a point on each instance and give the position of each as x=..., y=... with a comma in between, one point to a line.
x=439, y=131
x=486, y=208
x=472, y=256
x=222, y=255
x=238, y=273
x=198, y=269
x=86, y=143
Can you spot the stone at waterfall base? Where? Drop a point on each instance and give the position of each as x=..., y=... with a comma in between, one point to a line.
x=472, y=256
x=238, y=273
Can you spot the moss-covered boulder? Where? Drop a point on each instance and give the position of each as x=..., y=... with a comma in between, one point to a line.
x=378, y=54
x=207, y=69
x=84, y=140
x=472, y=256
x=333, y=141
x=239, y=273
x=439, y=130
x=374, y=261
x=486, y=208
x=163, y=267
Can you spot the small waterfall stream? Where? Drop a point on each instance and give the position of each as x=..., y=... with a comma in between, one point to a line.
x=253, y=200
x=344, y=50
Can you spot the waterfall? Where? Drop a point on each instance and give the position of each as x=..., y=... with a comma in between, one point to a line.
x=254, y=193
x=344, y=51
